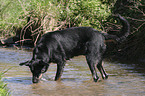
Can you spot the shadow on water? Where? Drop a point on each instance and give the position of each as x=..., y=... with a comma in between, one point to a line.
x=132, y=66
x=124, y=79
x=20, y=80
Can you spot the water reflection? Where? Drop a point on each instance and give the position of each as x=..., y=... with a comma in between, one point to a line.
x=124, y=79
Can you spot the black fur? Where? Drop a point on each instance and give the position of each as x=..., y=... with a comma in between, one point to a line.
x=59, y=46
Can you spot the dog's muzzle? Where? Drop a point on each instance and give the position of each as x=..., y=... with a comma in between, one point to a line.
x=36, y=79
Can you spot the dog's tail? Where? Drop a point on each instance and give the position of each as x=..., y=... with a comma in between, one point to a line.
x=125, y=31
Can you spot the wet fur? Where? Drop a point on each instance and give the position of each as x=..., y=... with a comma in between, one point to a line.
x=59, y=46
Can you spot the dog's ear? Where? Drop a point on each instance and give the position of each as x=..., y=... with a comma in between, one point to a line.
x=27, y=63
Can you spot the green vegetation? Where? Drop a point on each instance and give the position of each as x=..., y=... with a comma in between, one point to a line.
x=32, y=17
x=3, y=89
x=51, y=14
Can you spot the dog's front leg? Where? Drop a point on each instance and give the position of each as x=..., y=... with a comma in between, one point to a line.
x=60, y=67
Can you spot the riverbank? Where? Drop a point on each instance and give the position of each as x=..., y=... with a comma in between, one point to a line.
x=34, y=18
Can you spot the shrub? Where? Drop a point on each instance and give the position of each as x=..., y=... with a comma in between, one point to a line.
x=52, y=15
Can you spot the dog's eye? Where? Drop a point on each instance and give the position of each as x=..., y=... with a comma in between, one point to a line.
x=44, y=69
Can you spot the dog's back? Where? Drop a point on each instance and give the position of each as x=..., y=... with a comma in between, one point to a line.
x=72, y=41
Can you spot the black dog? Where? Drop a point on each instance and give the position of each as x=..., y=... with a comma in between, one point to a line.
x=59, y=46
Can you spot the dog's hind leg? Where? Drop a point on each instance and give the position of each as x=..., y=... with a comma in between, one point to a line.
x=92, y=67
x=102, y=71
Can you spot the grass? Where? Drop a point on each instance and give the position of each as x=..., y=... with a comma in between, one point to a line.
x=3, y=88
x=53, y=14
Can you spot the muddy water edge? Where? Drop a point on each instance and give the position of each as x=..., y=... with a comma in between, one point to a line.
x=124, y=79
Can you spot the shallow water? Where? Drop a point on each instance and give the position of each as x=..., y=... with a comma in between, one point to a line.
x=124, y=79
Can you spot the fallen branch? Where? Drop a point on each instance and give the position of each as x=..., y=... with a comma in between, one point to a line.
x=22, y=40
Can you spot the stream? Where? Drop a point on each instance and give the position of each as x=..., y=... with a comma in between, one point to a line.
x=124, y=79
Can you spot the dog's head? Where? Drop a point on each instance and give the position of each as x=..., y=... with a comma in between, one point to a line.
x=37, y=67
